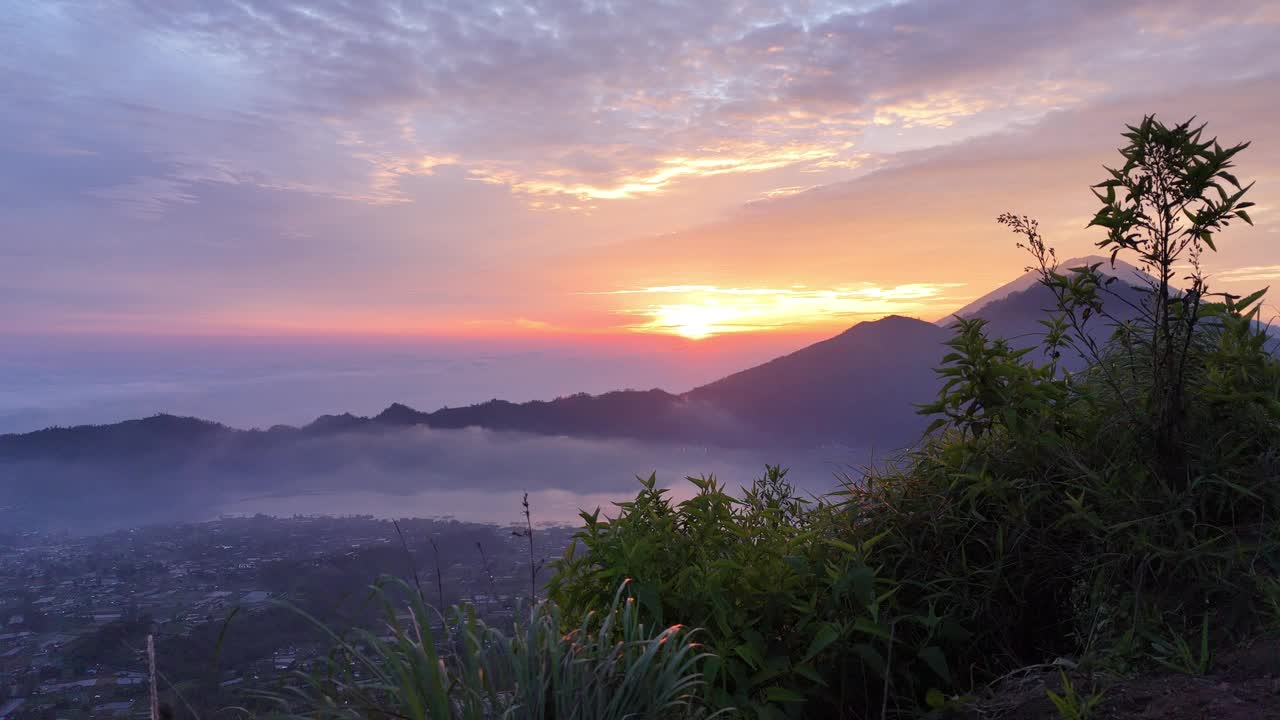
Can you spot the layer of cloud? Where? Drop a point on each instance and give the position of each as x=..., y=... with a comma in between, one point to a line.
x=574, y=98
x=275, y=165
x=1254, y=273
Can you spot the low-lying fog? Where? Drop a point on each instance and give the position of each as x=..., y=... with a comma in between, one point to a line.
x=472, y=474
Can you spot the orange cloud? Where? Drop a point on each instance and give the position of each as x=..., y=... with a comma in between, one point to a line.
x=707, y=162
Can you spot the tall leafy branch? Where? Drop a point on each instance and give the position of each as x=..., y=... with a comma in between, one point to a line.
x=1164, y=205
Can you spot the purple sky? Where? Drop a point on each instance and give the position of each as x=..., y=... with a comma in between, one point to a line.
x=580, y=168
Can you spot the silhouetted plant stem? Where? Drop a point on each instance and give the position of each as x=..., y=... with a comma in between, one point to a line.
x=413, y=567
x=439, y=580
x=528, y=533
x=484, y=562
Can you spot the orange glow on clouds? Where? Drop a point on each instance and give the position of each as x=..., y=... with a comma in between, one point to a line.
x=702, y=311
x=729, y=158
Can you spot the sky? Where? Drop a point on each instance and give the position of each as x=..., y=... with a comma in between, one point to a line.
x=582, y=173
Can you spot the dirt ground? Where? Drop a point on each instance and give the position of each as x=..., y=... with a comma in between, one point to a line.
x=1244, y=684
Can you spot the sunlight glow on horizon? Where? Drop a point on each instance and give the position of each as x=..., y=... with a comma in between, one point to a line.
x=701, y=311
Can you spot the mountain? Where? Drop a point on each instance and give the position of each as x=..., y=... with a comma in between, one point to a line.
x=159, y=434
x=835, y=391
x=1121, y=270
x=858, y=389
x=642, y=414
x=1018, y=317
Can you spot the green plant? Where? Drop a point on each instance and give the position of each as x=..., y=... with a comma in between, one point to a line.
x=795, y=616
x=1071, y=705
x=1269, y=588
x=1176, y=653
x=612, y=666
x=1164, y=205
x=987, y=385
x=1173, y=452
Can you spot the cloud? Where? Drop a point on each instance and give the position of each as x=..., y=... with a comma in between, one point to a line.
x=276, y=163
x=709, y=162
x=576, y=98
x=927, y=216
x=1256, y=273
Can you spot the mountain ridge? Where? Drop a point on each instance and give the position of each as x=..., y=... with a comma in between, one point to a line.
x=858, y=388
x=711, y=413
x=1028, y=280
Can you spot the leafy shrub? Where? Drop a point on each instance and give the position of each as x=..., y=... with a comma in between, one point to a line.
x=1046, y=514
x=795, y=616
x=1084, y=514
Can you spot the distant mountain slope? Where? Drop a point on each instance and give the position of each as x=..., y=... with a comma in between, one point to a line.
x=1028, y=280
x=642, y=414
x=857, y=388
x=1017, y=318
x=131, y=438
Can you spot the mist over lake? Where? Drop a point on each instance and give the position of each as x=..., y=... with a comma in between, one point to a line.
x=472, y=474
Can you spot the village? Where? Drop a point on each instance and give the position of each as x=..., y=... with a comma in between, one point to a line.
x=224, y=601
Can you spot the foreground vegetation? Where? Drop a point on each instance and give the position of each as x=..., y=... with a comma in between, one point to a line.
x=613, y=665
x=1114, y=520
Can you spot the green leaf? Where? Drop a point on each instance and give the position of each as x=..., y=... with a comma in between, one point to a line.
x=749, y=655
x=935, y=699
x=1213, y=309
x=781, y=694
x=937, y=662
x=826, y=635
x=841, y=545
x=807, y=672
x=711, y=669
x=871, y=657
x=1243, y=303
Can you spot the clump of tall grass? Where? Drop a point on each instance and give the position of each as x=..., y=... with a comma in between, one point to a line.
x=611, y=666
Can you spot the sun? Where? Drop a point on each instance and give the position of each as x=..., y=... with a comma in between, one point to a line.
x=697, y=321
x=697, y=312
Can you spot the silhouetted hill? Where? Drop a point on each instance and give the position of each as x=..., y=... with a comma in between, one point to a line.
x=857, y=388
x=1017, y=318
x=648, y=414
x=130, y=438
x=1121, y=270
x=333, y=423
